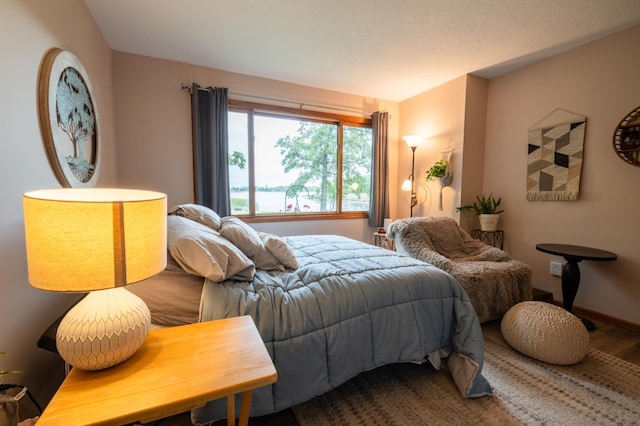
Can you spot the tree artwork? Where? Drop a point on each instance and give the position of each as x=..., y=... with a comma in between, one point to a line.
x=68, y=120
x=76, y=118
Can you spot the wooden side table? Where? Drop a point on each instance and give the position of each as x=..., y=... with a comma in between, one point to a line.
x=381, y=240
x=571, y=271
x=176, y=369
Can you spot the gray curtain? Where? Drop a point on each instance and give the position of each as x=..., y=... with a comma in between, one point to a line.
x=379, y=205
x=210, y=148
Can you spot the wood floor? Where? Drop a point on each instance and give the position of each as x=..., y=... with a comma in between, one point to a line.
x=608, y=338
x=616, y=341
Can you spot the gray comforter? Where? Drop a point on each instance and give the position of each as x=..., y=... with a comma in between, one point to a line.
x=348, y=308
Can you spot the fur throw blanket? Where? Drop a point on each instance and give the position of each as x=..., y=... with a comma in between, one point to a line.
x=492, y=279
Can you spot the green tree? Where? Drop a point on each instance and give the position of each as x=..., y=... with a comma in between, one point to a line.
x=313, y=152
x=237, y=159
x=356, y=160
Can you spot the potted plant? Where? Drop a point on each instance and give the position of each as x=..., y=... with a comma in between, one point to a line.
x=440, y=170
x=8, y=401
x=486, y=208
x=6, y=372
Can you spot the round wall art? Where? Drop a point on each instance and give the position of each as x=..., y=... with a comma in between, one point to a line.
x=626, y=138
x=69, y=120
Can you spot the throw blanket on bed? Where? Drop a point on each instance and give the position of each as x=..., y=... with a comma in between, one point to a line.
x=349, y=307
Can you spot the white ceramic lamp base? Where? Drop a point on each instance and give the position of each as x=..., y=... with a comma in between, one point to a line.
x=103, y=329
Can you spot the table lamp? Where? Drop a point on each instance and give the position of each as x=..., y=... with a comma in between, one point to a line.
x=96, y=240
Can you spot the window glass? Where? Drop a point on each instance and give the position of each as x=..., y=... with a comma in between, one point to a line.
x=308, y=161
x=293, y=164
x=239, y=162
x=356, y=170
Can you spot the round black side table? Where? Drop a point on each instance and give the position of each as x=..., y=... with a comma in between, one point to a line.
x=571, y=271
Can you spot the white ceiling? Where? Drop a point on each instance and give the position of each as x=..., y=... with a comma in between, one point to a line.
x=385, y=49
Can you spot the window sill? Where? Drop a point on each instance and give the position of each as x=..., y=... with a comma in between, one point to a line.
x=289, y=217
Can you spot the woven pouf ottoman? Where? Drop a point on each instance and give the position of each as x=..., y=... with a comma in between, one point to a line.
x=545, y=332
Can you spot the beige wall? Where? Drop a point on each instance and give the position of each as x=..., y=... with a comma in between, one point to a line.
x=474, y=147
x=598, y=80
x=438, y=115
x=28, y=29
x=487, y=121
x=154, y=129
x=449, y=116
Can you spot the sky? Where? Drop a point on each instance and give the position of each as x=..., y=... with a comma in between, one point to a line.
x=268, y=130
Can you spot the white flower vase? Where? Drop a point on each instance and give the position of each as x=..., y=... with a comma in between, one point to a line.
x=489, y=222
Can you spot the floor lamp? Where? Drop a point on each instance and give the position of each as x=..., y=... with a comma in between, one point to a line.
x=96, y=241
x=412, y=142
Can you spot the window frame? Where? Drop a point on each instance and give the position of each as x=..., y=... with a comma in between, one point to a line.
x=251, y=108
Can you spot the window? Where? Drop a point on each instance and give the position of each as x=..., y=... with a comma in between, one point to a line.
x=300, y=163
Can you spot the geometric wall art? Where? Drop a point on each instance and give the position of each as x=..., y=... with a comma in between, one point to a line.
x=555, y=161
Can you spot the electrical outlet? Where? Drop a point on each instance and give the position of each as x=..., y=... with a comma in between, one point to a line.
x=556, y=269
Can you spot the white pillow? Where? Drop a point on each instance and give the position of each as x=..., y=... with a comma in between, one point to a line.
x=246, y=239
x=200, y=214
x=202, y=251
x=280, y=249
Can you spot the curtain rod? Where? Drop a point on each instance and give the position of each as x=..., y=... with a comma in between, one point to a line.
x=301, y=105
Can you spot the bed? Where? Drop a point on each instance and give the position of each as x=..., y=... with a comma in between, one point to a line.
x=327, y=308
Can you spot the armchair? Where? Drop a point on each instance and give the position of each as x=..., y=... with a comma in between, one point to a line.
x=491, y=278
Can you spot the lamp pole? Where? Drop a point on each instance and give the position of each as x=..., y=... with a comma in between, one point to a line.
x=412, y=142
x=414, y=197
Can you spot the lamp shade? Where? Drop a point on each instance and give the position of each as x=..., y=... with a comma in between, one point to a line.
x=413, y=140
x=85, y=239
x=407, y=185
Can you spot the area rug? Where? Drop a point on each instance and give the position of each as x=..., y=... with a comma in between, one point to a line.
x=600, y=390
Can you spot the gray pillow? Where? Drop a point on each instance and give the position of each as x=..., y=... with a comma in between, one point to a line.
x=198, y=213
x=280, y=249
x=200, y=250
x=246, y=239
x=173, y=297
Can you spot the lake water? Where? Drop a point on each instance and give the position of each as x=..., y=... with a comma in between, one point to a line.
x=274, y=202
